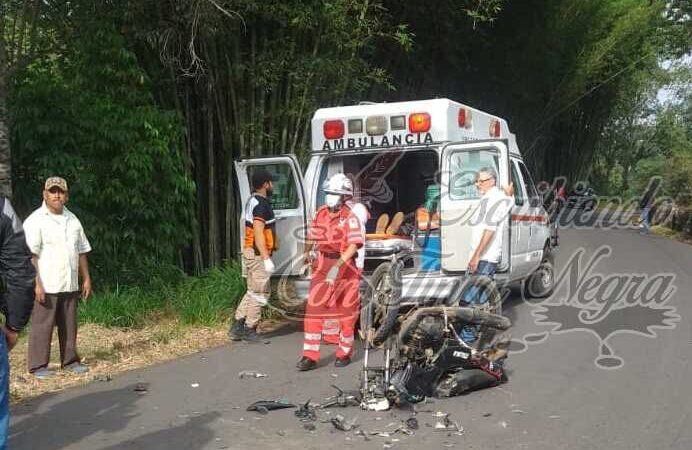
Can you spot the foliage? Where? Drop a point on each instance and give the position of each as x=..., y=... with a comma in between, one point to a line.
x=204, y=300
x=89, y=116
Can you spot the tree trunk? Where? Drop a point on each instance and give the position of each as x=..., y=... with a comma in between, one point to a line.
x=5, y=154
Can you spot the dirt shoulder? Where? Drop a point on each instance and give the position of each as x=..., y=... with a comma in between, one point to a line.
x=109, y=352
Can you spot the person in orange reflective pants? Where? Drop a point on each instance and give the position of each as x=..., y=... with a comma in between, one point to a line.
x=336, y=234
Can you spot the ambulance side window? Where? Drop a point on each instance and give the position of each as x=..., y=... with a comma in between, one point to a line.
x=285, y=193
x=534, y=199
x=464, y=165
x=518, y=185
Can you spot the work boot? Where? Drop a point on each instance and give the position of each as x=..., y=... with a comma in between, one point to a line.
x=342, y=362
x=237, y=330
x=306, y=364
x=252, y=337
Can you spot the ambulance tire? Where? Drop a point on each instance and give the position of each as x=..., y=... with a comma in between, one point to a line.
x=541, y=283
x=380, y=306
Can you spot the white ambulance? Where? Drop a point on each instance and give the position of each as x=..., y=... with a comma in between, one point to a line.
x=396, y=154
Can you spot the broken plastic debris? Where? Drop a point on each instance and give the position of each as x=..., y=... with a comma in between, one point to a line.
x=503, y=424
x=517, y=411
x=306, y=412
x=194, y=385
x=251, y=374
x=269, y=405
x=487, y=414
x=340, y=423
x=412, y=423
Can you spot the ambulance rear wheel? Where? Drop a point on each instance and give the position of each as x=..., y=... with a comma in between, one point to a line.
x=380, y=306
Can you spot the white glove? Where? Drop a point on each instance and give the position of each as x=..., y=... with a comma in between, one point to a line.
x=269, y=266
x=331, y=275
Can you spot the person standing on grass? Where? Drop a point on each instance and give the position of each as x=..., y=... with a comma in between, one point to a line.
x=259, y=243
x=59, y=250
x=16, y=301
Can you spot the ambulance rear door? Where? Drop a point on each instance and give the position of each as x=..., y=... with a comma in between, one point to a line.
x=288, y=202
x=459, y=199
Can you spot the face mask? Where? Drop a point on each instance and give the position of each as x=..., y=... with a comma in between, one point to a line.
x=332, y=200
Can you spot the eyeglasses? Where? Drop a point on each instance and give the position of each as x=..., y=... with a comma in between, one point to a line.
x=482, y=181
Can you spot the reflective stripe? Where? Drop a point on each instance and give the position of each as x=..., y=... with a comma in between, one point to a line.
x=311, y=347
x=330, y=331
x=346, y=350
x=346, y=340
x=313, y=336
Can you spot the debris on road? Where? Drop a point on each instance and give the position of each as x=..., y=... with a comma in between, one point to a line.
x=141, y=388
x=306, y=412
x=340, y=423
x=412, y=423
x=194, y=385
x=251, y=374
x=264, y=406
x=444, y=423
x=487, y=414
x=517, y=411
x=341, y=399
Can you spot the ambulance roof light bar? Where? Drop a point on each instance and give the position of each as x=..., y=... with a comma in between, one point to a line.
x=333, y=129
x=419, y=122
x=494, y=129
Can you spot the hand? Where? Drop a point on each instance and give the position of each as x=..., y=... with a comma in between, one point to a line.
x=473, y=265
x=10, y=337
x=269, y=266
x=307, y=258
x=509, y=189
x=86, y=288
x=40, y=293
x=331, y=275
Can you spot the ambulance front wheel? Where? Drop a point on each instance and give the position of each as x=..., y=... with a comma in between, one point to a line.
x=541, y=283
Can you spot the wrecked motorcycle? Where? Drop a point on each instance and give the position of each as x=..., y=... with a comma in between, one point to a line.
x=424, y=355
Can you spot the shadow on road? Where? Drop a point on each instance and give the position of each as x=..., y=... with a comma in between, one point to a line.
x=70, y=421
x=193, y=435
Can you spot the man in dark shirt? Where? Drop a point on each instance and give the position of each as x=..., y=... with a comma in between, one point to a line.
x=16, y=299
x=259, y=243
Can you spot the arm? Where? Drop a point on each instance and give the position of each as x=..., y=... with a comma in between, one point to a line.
x=15, y=264
x=260, y=243
x=86, y=278
x=39, y=292
x=485, y=241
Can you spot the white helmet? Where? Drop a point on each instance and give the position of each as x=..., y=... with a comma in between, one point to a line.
x=338, y=184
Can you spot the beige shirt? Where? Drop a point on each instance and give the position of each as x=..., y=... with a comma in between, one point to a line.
x=57, y=240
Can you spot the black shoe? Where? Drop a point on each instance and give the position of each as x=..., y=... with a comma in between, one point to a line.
x=306, y=363
x=342, y=362
x=237, y=330
x=252, y=337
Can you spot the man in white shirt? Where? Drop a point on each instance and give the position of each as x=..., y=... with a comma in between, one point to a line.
x=489, y=223
x=59, y=250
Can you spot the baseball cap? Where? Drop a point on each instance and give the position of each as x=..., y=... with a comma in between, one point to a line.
x=56, y=182
x=259, y=177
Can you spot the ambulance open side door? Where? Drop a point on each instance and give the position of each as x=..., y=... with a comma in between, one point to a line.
x=459, y=199
x=288, y=202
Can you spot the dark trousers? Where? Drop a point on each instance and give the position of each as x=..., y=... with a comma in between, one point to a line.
x=61, y=310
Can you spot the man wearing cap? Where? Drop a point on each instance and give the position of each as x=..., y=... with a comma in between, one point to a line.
x=59, y=250
x=259, y=243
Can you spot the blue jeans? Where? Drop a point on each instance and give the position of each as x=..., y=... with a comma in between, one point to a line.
x=4, y=391
x=474, y=296
x=644, y=220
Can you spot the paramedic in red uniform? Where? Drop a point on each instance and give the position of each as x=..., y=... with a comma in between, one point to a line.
x=337, y=234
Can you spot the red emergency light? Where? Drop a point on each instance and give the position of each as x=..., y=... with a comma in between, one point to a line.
x=494, y=130
x=419, y=122
x=464, y=118
x=333, y=129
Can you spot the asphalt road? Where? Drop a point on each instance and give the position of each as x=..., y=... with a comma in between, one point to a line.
x=566, y=390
